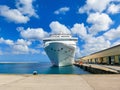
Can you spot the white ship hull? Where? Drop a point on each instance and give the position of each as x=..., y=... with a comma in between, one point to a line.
x=60, y=54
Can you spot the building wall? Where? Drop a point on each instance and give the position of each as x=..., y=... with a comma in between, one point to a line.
x=117, y=59
x=104, y=60
x=99, y=60
x=108, y=56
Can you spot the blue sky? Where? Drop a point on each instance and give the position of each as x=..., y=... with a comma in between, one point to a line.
x=24, y=23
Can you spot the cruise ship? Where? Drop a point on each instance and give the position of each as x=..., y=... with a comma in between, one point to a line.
x=60, y=49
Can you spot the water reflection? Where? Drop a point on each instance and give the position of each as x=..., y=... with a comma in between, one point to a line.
x=65, y=70
x=41, y=68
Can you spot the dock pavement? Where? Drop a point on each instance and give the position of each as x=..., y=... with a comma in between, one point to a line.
x=60, y=82
x=100, y=69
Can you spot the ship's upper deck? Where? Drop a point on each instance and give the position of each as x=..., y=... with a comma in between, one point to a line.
x=59, y=37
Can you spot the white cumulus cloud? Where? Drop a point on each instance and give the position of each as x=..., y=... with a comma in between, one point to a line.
x=80, y=30
x=20, y=49
x=33, y=33
x=78, y=52
x=21, y=14
x=91, y=43
x=7, y=42
x=26, y=7
x=116, y=43
x=99, y=21
x=94, y=44
x=23, y=42
x=58, y=28
x=113, y=34
x=113, y=9
x=94, y=5
x=20, y=46
x=62, y=10
x=13, y=15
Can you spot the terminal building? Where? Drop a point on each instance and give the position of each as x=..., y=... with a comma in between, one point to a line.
x=108, y=56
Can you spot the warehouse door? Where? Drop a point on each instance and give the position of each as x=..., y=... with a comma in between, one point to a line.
x=119, y=59
x=111, y=59
x=96, y=60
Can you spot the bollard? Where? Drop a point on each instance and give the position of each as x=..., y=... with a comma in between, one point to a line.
x=35, y=73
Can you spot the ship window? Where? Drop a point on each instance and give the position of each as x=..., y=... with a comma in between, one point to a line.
x=65, y=51
x=51, y=48
x=61, y=48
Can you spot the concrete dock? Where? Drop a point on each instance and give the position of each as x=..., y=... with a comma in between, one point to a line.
x=60, y=82
x=100, y=69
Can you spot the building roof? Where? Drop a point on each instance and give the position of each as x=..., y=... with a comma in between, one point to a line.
x=115, y=50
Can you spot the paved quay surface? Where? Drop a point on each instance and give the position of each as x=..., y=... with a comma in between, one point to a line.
x=112, y=68
x=60, y=82
x=117, y=68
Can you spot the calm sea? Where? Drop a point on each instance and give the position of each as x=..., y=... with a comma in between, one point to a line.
x=41, y=68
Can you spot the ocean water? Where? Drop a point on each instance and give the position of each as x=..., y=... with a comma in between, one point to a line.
x=41, y=68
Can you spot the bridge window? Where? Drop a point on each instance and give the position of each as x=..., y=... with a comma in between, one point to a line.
x=61, y=48
x=65, y=51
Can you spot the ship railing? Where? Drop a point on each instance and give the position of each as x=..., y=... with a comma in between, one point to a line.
x=60, y=34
